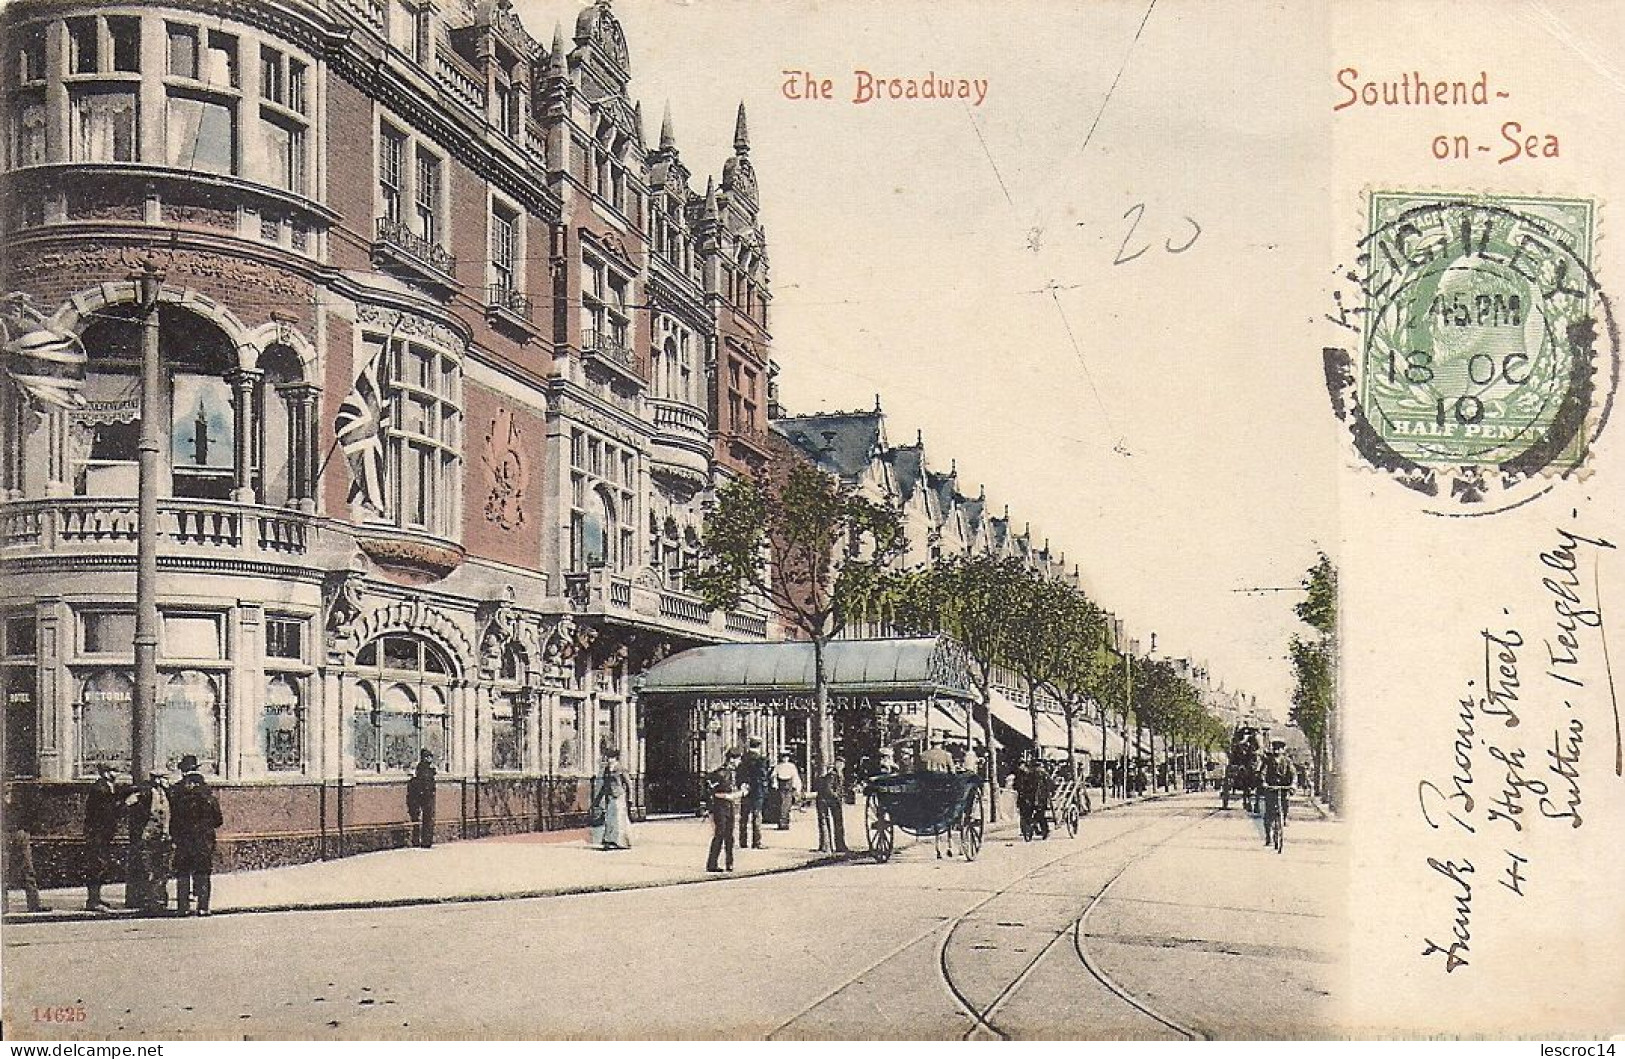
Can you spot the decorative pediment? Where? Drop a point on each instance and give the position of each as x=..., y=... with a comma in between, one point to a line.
x=739, y=179
x=598, y=28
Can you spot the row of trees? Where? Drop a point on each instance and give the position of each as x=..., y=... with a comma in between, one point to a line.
x=823, y=557
x=1314, y=665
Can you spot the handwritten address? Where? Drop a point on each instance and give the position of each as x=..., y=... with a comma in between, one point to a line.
x=1519, y=734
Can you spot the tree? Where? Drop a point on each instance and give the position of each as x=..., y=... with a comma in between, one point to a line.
x=808, y=545
x=967, y=597
x=1083, y=662
x=1038, y=644
x=1314, y=664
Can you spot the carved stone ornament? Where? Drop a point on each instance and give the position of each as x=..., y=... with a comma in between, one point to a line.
x=598, y=26
x=416, y=617
x=507, y=472
x=342, y=591
x=411, y=324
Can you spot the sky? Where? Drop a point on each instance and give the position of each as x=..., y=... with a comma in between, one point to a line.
x=1103, y=310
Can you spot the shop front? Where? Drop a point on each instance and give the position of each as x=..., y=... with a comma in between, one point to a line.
x=882, y=693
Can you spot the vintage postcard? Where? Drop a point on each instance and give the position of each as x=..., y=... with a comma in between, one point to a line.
x=536, y=519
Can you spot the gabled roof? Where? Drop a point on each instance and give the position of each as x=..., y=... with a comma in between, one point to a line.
x=908, y=468
x=841, y=443
x=910, y=668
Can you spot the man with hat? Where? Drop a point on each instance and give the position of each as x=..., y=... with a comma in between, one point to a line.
x=828, y=793
x=151, y=845
x=420, y=799
x=1277, y=776
x=102, y=807
x=196, y=816
x=754, y=775
x=723, y=794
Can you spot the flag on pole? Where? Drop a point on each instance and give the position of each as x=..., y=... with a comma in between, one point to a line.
x=359, y=428
x=49, y=366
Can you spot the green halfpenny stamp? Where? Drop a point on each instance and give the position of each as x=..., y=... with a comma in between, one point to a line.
x=1477, y=331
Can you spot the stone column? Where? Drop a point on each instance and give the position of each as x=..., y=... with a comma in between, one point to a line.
x=243, y=382
x=245, y=755
x=54, y=691
x=301, y=398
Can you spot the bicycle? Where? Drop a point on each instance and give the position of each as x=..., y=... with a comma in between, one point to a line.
x=1275, y=817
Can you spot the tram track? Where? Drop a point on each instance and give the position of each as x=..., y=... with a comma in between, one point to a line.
x=982, y=1017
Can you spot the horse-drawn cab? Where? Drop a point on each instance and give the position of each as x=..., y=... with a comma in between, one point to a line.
x=1244, y=772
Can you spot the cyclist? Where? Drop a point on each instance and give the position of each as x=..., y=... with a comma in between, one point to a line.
x=1277, y=776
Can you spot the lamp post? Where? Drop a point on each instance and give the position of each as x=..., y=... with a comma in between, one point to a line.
x=145, y=708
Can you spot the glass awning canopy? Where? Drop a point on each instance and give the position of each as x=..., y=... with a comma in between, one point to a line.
x=921, y=668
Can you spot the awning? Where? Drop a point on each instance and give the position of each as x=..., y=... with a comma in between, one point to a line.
x=896, y=668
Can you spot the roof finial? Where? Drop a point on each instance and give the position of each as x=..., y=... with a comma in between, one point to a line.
x=556, y=66
x=637, y=120
x=711, y=196
x=953, y=466
x=1007, y=512
x=667, y=140
x=741, y=133
x=877, y=396
x=919, y=436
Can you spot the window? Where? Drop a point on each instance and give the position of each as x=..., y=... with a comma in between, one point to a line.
x=426, y=195
x=190, y=707
x=424, y=444
x=31, y=54
x=282, y=723
x=105, y=699
x=273, y=76
x=220, y=60
x=404, y=703
x=202, y=437
x=391, y=153
x=201, y=133
x=569, y=716
x=101, y=125
x=183, y=51
x=606, y=306
x=84, y=36
x=28, y=133
x=504, y=226
x=106, y=632
x=297, y=78
x=285, y=638
x=125, y=37
x=193, y=636
x=284, y=153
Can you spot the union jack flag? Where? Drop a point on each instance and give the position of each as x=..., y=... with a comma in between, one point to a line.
x=359, y=428
x=49, y=366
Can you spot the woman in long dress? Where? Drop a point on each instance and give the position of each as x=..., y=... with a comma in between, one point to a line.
x=611, y=816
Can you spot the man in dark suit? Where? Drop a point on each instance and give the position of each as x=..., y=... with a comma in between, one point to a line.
x=724, y=792
x=195, y=816
x=420, y=799
x=828, y=792
x=754, y=775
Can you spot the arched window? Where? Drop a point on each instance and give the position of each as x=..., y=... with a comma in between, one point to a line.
x=403, y=707
x=189, y=720
x=105, y=698
x=216, y=451
x=508, y=713
x=599, y=532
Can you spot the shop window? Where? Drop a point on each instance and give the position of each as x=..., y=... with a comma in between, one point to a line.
x=105, y=701
x=189, y=714
x=282, y=724
x=404, y=706
x=568, y=718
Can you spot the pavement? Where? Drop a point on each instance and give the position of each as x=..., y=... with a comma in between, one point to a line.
x=665, y=852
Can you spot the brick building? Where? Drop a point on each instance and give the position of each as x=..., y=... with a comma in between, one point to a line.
x=413, y=213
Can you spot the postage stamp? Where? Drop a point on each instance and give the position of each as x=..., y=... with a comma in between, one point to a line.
x=1487, y=350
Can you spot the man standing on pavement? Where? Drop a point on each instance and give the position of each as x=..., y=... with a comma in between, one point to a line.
x=753, y=776
x=19, y=859
x=196, y=816
x=828, y=793
x=102, y=807
x=722, y=785
x=787, y=779
x=151, y=847
x=420, y=799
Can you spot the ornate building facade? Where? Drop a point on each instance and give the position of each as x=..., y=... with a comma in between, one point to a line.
x=450, y=359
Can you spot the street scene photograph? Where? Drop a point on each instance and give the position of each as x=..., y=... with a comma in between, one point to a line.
x=560, y=520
